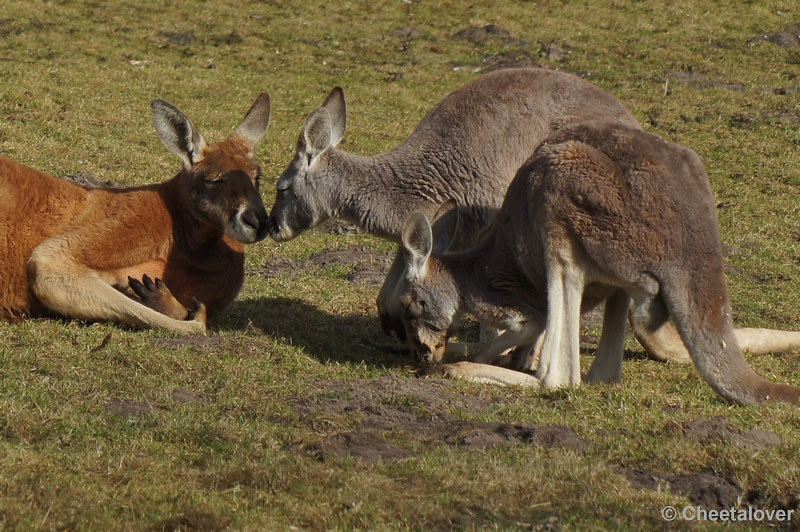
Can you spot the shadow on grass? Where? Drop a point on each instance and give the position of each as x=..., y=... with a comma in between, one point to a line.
x=352, y=338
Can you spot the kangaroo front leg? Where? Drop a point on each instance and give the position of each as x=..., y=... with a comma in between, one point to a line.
x=607, y=365
x=156, y=295
x=77, y=292
x=509, y=340
x=559, y=364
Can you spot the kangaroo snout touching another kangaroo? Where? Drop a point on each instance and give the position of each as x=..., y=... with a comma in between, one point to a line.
x=467, y=148
x=167, y=255
x=600, y=213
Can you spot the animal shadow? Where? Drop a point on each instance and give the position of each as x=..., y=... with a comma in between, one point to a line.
x=352, y=338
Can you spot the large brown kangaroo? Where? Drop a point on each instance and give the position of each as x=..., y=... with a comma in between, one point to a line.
x=601, y=212
x=468, y=148
x=81, y=253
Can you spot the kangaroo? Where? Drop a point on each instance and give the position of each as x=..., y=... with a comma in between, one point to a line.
x=168, y=255
x=600, y=212
x=468, y=148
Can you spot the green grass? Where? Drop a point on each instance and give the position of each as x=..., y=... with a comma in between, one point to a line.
x=225, y=436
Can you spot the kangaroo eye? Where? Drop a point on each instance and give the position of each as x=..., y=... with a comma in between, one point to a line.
x=411, y=311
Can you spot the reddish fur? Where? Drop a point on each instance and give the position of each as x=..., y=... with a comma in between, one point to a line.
x=28, y=216
x=65, y=248
x=117, y=233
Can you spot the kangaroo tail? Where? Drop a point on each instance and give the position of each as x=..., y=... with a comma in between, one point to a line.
x=700, y=308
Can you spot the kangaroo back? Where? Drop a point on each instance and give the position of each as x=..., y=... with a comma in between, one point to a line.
x=33, y=207
x=467, y=148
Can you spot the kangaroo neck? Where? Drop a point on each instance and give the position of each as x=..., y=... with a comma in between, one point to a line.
x=379, y=192
x=469, y=271
x=189, y=230
x=491, y=285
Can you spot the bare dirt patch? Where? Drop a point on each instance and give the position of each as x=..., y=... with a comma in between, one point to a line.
x=703, y=489
x=702, y=81
x=510, y=59
x=128, y=407
x=180, y=39
x=719, y=430
x=362, y=445
x=194, y=521
x=383, y=419
x=339, y=227
x=788, y=38
x=369, y=266
x=205, y=343
x=182, y=396
x=90, y=181
x=489, y=33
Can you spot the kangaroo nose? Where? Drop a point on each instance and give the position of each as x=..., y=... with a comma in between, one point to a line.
x=423, y=354
x=257, y=220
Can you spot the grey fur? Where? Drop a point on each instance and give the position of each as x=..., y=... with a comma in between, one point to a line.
x=468, y=148
x=601, y=212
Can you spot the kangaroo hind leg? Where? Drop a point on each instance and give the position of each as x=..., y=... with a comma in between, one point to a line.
x=559, y=363
x=607, y=365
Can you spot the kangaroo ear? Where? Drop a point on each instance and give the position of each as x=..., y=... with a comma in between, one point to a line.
x=337, y=107
x=317, y=133
x=256, y=121
x=445, y=225
x=417, y=242
x=178, y=133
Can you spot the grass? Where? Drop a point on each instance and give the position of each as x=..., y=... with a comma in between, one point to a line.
x=139, y=433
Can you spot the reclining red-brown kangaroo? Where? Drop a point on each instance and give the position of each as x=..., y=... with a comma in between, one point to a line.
x=80, y=252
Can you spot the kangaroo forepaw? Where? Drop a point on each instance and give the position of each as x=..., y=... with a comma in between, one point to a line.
x=156, y=295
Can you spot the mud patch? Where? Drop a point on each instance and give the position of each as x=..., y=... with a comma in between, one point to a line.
x=785, y=115
x=89, y=181
x=204, y=343
x=512, y=59
x=180, y=39
x=700, y=81
x=719, y=430
x=369, y=266
x=194, y=521
x=377, y=420
x=127, y=407
x=548, y=436
x=182, y=396
x=703, y=489
x=340, y=227
x=365, y=446
x=788, y=38
x=554, y=52
x=488, y=33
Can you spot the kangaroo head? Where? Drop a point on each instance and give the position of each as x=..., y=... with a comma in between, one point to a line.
x=427, y=293
x=221, y=180
x=305, y=187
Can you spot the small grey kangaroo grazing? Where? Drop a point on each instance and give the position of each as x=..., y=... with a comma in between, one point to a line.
x=600, y=212
x=468, y=148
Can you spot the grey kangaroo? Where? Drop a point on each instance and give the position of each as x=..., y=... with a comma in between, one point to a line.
x=600, y=212
x=468, y=148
